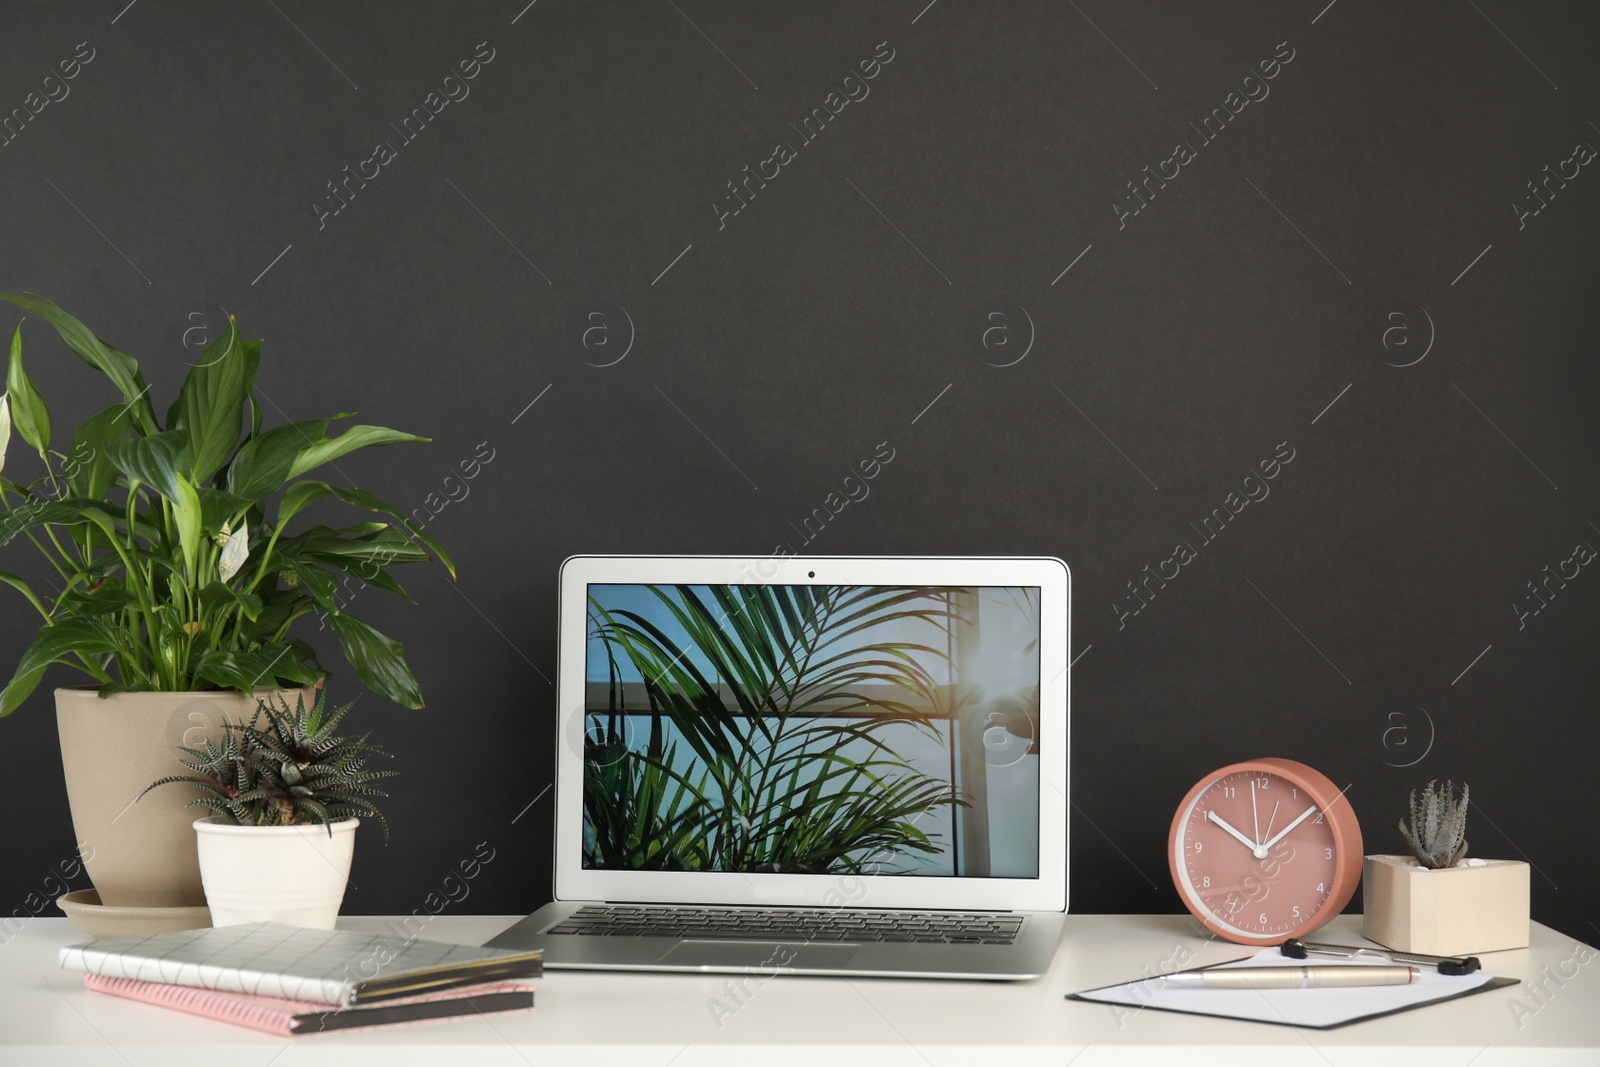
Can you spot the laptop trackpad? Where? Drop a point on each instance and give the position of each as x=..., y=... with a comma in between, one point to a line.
x=756, y=955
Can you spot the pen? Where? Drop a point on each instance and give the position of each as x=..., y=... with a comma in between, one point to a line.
x=1451, y=965
x=1291, y=977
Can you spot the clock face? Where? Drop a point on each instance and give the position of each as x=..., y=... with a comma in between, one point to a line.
x=1257, y=858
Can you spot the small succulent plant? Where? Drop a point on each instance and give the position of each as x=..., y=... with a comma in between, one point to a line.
x=1438, y=831
x=290, y=770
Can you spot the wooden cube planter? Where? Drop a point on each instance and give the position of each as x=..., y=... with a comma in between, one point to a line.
x=1450, y=912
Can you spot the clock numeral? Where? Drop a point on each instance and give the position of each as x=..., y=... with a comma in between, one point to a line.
x=1206, y=882
x=1319, y=816
x=1261, y=783
x=1321, y=888
x=1229, y=791
x=1294, y=794
x=1329, y=851
x=1197, y=847
x=1297, y=911
x=1263, y=918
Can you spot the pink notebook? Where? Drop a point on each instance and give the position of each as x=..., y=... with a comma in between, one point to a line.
x=276, y=1015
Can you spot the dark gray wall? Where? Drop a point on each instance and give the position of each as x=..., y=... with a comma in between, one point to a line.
x=1362, y=216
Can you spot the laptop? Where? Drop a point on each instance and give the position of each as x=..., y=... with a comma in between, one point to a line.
x=809, y=765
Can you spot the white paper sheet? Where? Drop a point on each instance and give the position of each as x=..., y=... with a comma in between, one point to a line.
x=1296, y=1007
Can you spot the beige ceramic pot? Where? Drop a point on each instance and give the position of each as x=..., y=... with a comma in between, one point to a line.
x=140, y=855
x=1475, y=906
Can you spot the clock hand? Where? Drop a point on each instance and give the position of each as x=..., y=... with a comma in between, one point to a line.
x=1284, y=832
x=1258, y=851
x=1274, y=816
x=1255, y=816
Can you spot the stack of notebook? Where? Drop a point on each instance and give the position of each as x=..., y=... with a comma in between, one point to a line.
x=289, y=980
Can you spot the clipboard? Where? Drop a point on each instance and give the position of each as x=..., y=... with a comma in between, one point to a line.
x=1306, y=1009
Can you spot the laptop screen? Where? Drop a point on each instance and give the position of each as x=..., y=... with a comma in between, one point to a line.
x=884, y=730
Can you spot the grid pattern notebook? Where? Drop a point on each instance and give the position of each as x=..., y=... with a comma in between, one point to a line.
x=340, y=967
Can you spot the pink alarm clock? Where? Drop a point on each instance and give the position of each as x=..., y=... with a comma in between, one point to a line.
x=1265, y=850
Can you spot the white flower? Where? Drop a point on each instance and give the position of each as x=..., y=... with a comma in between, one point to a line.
x=5, y=427
x=234, y=553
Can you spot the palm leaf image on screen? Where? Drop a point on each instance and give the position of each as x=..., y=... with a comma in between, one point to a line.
x=771, y=711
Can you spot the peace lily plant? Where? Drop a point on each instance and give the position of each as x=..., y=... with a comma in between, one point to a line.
x=171, y=541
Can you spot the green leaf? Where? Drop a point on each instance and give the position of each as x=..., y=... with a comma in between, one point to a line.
x=362, y=557
x=154, y=460
x=90, y=472
x=298, y=497
x=5, y=428
x=217, y=594
x=109, y=519
x=318, y=582
x=53, y=644
x=363, y=499
x=120, y=367
x=377, y=577
x=252, y=355
x=357, y=532
x=27, y=406
x=106, y=601
x=36, y=512
x=263, y=464
x=379, y=660
x=246, y=670
x=383, y=545
x=74, y=511
x=279, y=607
x=186, y=510
x=306, y=655
x=210, y=404
x=218, y=507
x=331, y=448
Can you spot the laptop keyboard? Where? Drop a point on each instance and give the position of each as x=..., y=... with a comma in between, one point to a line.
x=804, y=924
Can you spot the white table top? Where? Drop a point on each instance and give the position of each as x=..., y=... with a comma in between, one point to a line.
x=47, y=1018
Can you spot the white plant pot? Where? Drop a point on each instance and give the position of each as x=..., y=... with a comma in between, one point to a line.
x=283, y=874
x=1449, y=912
